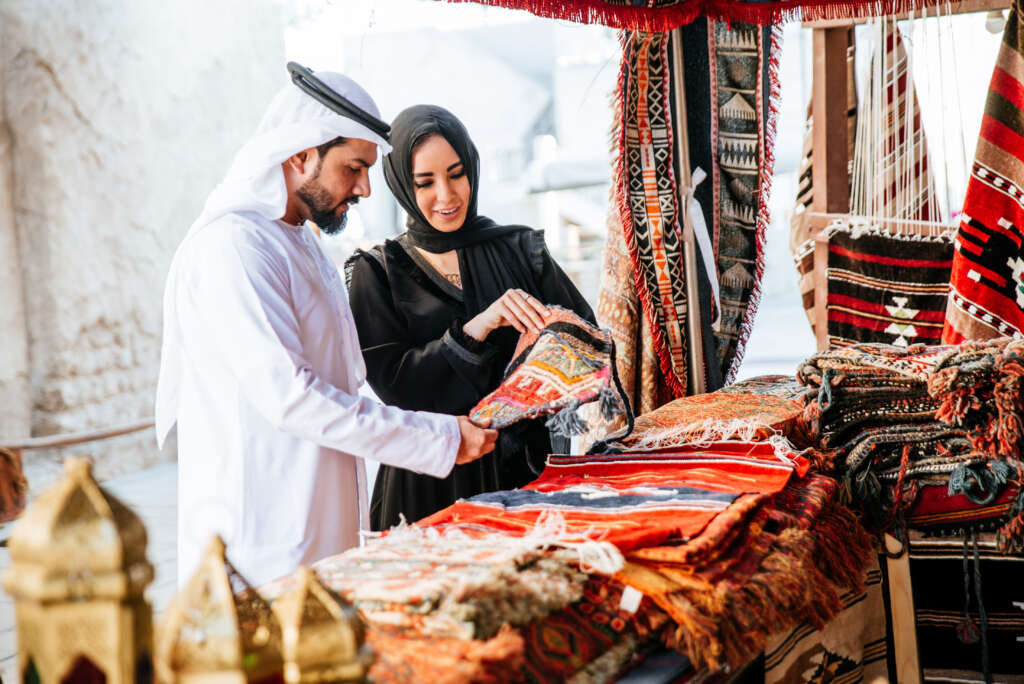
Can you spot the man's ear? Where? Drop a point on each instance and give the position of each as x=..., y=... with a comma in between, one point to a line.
x=300, y=162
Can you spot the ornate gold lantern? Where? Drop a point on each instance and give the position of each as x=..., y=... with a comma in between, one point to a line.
x=323, y=636
x=218, y=629
x=78, y=573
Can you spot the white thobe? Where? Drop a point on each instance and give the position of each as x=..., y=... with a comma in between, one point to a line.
x=271, y=429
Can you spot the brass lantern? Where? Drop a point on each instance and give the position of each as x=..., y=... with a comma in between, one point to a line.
x=218, y=629
x=78, y=573
x=323, y=636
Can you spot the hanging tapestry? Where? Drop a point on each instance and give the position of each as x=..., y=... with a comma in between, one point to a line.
x=619, y=311
x=968, y=623
x=648, y=198
x=986, y=296
x=633, y=499
x=852, y=647
x=731, y=77
x=664, y=15
x=886, y=287
x=567, y=363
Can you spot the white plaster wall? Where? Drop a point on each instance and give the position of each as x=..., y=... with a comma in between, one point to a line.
x=15, y=397
x=122, y=115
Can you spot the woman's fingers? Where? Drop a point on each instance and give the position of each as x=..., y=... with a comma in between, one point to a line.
x=537, y=305
x=509, y=316
x=517, y=299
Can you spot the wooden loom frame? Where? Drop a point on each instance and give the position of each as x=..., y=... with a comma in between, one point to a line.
x=830, y=174
x=830, y=200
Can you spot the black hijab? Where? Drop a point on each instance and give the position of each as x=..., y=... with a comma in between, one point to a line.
x=491, y=259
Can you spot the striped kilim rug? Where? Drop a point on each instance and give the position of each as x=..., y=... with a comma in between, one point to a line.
x=987, y=283
x=886, y=287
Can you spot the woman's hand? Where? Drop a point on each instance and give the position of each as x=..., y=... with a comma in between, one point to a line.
x=516, y=308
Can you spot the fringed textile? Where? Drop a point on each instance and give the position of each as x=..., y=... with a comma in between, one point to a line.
x=719, y=416
x=886, y=287
x=851, y=647
x=449, y=585
x=987, y=283
x=902, y=419
x=553, y=371
x=758, y=568
x=664, y=15
x=592, y=639
x=629, y=500
x=732, y=90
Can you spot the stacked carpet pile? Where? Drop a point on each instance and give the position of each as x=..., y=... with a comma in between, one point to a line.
x=924, y=436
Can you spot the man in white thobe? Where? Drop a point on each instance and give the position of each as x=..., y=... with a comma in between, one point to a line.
x=261, y=365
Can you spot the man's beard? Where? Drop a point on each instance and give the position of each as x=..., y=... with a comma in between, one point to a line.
x=322, y=207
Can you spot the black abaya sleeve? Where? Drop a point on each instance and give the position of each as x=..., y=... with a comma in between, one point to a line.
x=448, y=374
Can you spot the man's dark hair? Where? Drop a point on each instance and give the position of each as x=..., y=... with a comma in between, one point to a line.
x=323, y=149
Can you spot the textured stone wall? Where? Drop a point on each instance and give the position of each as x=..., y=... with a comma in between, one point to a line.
x=118, y=117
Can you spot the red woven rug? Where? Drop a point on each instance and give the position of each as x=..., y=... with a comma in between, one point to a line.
x=630, y=500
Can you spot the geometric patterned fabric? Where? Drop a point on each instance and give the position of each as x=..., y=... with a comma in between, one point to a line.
x=987, y=283
x=886, y=287
x=729, y=72
x=567, y=362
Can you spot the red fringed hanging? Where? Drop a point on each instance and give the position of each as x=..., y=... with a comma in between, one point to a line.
x=665, y=15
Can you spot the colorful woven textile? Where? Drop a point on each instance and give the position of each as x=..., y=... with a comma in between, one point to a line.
x=884, y=287
x=647, y=195
x=745, y=92
x=715, y=417
x=449, y=585
x=619, y=311
x=592, y=639
x=850, y=648
x=730, y=73
x=567, y=363
x=760, y=567
x=629, y=500
x=402, y=659
x=987, y=282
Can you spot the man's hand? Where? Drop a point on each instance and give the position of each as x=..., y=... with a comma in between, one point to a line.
x=476, y=441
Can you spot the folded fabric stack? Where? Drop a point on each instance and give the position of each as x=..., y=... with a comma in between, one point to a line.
x=905, y=420
x=722, y=542
x=761, y=567
x=706, y=544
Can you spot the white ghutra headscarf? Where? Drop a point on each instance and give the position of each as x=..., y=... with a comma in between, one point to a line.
x=255, y=183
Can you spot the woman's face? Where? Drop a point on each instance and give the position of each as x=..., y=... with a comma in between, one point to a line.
x=441, y=185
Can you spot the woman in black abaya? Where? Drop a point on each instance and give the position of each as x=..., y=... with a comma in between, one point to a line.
x=439, y=309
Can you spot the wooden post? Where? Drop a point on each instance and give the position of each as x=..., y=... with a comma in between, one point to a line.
x=697, y=380
x=830, y=152
x=901, y=602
